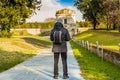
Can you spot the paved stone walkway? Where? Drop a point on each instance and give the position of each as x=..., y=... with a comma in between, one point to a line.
x=40, y=67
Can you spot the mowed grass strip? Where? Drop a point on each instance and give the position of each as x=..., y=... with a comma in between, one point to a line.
x=108, y=40
x=18, y=49
x=92, y=66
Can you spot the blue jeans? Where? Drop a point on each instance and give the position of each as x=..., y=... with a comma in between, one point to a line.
x=64, y=63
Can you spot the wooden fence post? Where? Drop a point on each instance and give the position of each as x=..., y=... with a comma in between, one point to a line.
x=102, y=52
x=82, y=43
x=97, y=47
x=79, y=42
x=119, y=47
x=91, y=47
x=87, y=45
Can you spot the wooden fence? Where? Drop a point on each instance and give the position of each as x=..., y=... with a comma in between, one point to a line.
x=109, y=55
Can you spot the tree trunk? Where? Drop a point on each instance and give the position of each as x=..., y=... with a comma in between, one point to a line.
x=94, y=24
x=119, y=28
x=114, y=26
x=107, y=26
x=2, y=28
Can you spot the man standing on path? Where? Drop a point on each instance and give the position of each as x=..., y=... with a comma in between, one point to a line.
x=59, y=35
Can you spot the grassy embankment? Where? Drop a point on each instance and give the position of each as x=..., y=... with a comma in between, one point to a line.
x=107, y=39
x=18, y=49
x=92, y=67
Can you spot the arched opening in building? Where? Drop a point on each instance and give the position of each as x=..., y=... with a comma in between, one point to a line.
x=65, y=21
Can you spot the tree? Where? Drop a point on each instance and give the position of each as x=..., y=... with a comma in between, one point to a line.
x=91, y=10
x=84, y=24
x=13, y=12
x=118, y=1
x=110, y=9
x=50, y=20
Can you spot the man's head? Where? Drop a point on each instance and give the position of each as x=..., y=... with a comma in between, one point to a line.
x=58, y=25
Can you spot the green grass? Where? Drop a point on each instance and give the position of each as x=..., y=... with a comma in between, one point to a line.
x=20, y=33
x=92, y=66
x=108, y=40
x=18, y=49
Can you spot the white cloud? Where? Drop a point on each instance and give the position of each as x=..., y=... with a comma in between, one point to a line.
x=48, y=9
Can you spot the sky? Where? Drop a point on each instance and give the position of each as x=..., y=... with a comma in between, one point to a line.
x=66, y=2
x=49, y=8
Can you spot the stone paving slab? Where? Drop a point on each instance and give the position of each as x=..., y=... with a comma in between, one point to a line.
x=41, y=67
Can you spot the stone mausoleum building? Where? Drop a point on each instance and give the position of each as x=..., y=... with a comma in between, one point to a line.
x=67, y=17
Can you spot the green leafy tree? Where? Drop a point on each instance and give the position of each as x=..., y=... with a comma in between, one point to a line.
x=110, y=12
x=91, y=10
x=118, y=1
x=14, y=12
x=84, y=24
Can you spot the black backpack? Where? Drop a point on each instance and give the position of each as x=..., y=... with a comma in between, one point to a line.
x=57, y=36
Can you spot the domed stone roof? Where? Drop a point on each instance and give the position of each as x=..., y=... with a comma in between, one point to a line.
x=65, y=11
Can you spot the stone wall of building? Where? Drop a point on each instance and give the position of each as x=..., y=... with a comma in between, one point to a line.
x=67, y=17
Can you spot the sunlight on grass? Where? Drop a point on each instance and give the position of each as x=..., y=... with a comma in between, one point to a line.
x=85, y=36
x=77, y=51
x=114, y=47
x=10, y=47
x=105, y=39
x=18, y=49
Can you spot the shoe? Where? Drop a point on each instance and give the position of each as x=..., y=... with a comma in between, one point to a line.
x=55, y=77
x=65, y=77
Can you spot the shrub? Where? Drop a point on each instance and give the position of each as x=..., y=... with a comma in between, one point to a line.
x=84, y=24
x=20, y=33
x=47, y=33
x=43, y=25
x=5, y=33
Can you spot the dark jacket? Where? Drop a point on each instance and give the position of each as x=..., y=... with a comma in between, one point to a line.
x=65, y=34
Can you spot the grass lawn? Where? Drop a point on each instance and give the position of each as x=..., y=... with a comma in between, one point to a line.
x=18, y=49
x=92, y=66
x=108, y=40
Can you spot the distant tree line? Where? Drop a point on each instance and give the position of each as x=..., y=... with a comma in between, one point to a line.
x=14, y=12
x=42, y=25
x=84, y=24
x=51, y=19
x=100, y=11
